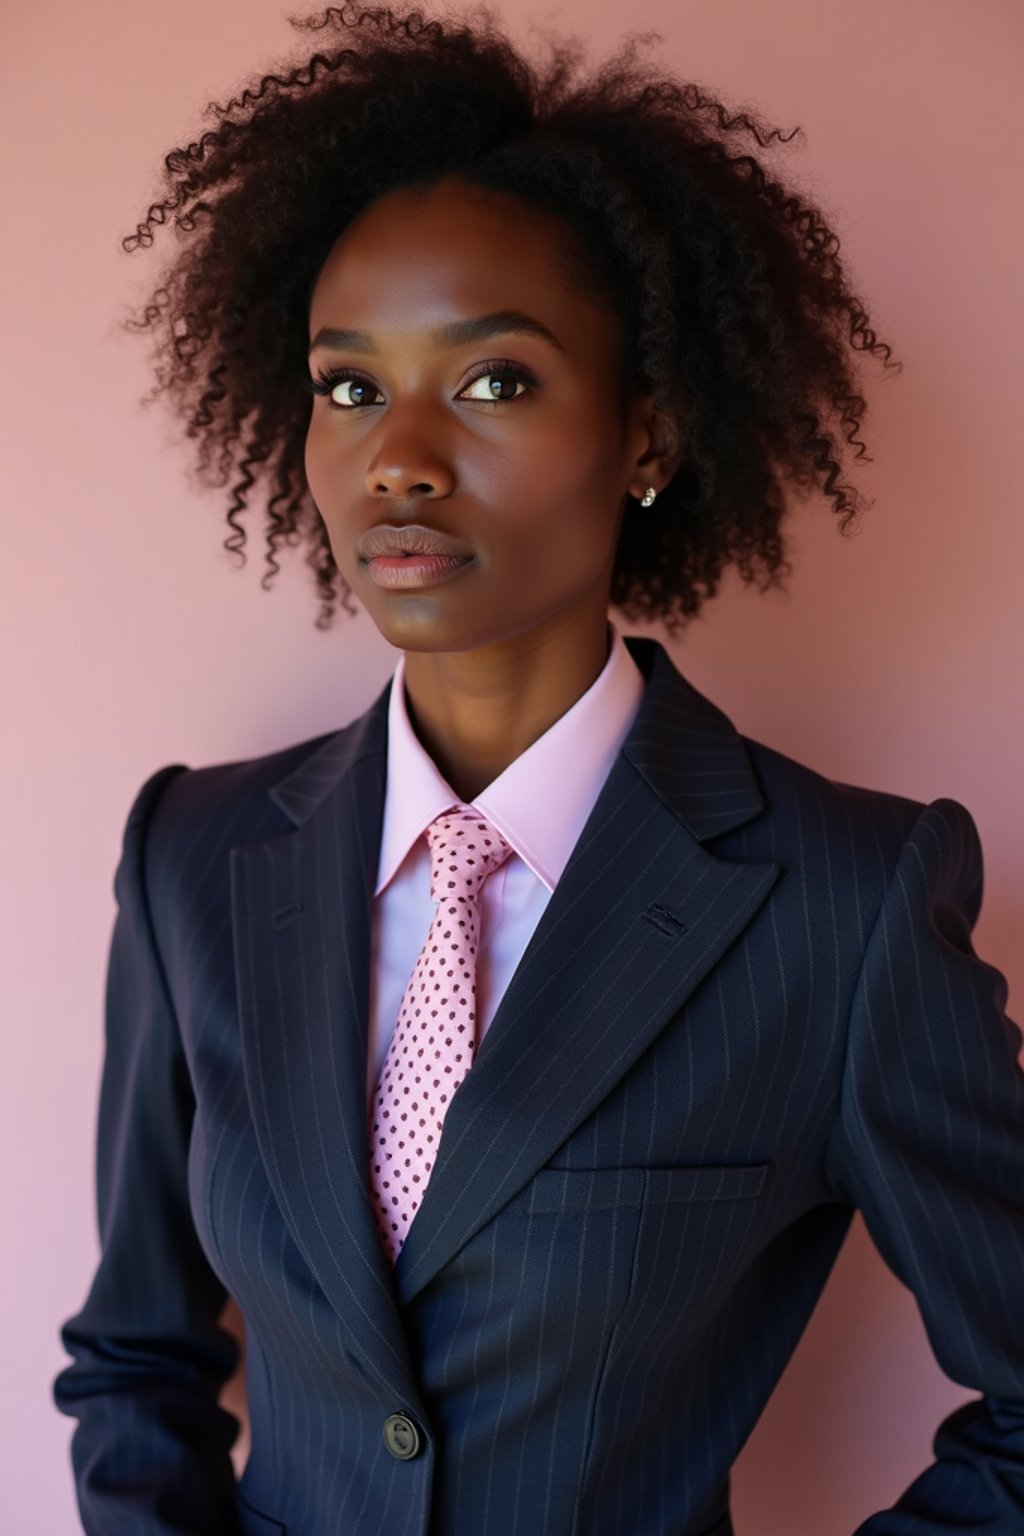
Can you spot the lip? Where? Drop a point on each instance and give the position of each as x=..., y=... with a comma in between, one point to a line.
x=414, y=571
x=410, y=539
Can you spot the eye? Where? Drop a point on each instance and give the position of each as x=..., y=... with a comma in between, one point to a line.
x=504, y=373
x=333, y=382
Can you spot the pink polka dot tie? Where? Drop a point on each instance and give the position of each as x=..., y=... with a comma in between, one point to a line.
x=435, y=1038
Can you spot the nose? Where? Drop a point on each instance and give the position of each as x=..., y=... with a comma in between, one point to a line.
x=405, y=464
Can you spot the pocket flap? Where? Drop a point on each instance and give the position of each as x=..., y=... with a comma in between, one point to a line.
x=560, y=1191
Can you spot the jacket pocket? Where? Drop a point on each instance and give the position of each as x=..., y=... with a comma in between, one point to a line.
x=560, y=1191
x=253, y=1523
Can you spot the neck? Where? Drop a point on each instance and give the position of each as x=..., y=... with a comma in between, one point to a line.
x=475, y=712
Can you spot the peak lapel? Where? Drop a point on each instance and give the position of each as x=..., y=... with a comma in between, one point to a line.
x=301, y=910
x=640, y=916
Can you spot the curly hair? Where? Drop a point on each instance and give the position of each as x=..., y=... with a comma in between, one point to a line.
x=738, y=316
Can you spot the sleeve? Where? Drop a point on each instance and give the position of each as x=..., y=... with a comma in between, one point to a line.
x=150, y=1451
x=929, y=1144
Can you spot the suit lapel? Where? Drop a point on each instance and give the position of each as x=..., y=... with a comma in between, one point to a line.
x=301, y=913
x=641, y=914
x=639, y=917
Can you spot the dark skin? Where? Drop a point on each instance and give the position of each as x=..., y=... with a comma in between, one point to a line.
x=532, y=480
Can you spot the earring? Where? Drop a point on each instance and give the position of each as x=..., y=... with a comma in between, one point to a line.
x=647, y=498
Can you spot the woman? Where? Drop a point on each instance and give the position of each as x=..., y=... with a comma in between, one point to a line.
x=517, y=1055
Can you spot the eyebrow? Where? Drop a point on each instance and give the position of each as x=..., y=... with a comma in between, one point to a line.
x=458, y=333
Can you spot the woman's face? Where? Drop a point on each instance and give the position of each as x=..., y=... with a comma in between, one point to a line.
x=513, y=444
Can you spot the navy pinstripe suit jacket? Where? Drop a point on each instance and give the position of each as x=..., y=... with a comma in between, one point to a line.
x=751, y=1005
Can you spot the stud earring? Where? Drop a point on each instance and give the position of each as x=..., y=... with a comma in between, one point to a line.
x=647, y=498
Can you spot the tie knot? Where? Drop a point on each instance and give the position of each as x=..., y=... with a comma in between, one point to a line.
x=464, y=850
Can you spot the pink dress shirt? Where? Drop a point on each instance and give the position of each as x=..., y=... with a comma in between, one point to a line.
x=540, y=803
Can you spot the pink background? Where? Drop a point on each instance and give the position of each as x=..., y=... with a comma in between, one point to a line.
x=894, y=662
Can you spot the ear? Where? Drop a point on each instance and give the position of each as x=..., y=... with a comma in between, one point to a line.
x=656, y=439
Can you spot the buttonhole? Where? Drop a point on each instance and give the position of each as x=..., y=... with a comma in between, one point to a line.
x=285, y=915
x=664, y=920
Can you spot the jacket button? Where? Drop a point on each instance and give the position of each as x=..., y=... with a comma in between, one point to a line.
x=401, y=1436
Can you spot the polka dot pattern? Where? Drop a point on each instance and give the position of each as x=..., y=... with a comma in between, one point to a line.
x=435, y=1039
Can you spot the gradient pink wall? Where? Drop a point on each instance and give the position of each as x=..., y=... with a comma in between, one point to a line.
x=894, y=662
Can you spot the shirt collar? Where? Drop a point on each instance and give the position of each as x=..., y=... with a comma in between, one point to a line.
x=542, y=800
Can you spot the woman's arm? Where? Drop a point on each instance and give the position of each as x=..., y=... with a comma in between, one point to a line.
x=930, y=1146
x=151, y=1448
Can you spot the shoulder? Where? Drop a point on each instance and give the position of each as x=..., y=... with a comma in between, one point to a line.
x=178, y=798
x=818, y=804
x=848, y=837
x=185, y=821
x=846, y=853
x=793, y=814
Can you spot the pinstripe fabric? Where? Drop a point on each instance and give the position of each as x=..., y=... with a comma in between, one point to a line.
x=751, y=1005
